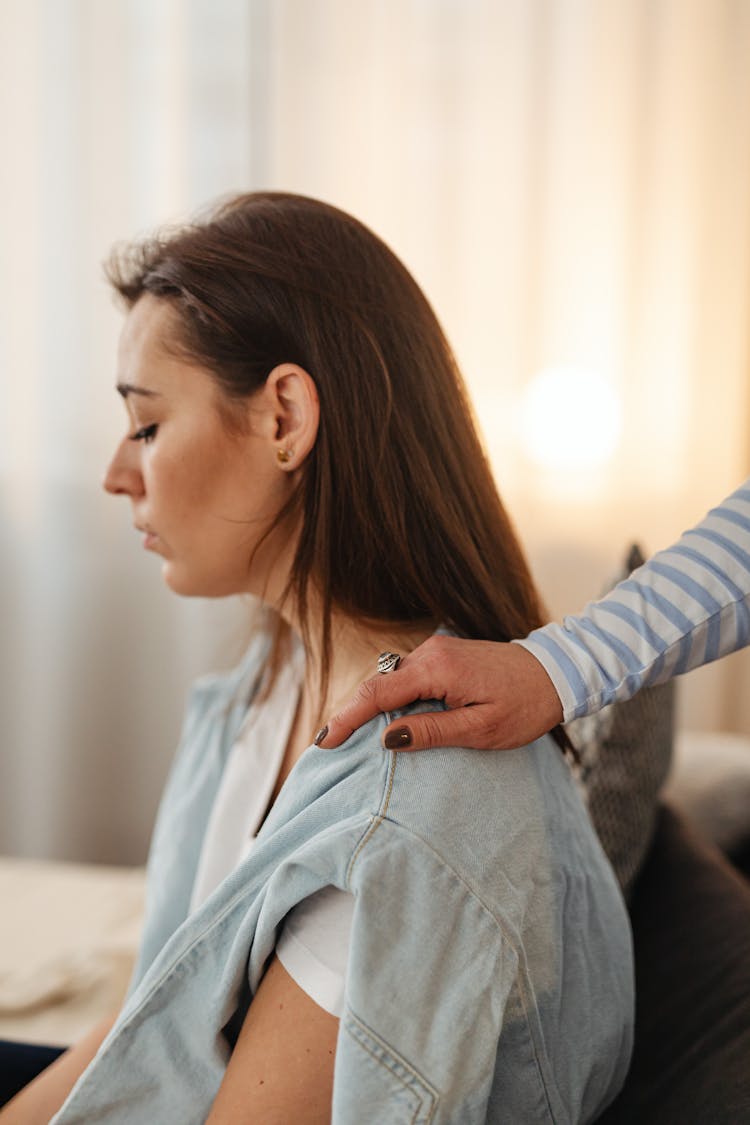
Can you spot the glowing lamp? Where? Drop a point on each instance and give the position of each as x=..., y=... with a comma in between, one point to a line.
x=571, y=418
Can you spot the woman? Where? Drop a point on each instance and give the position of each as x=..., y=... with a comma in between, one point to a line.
x=443, y=928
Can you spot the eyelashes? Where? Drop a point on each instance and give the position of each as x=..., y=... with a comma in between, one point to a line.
x=146, y=434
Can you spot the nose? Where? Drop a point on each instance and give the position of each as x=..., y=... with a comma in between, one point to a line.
x=123, y=477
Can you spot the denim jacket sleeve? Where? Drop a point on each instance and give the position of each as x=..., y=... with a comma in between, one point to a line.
x=461, y=941
x=428, y=983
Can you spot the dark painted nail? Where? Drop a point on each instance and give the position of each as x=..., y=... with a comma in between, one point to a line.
x=321, y=735
x=398, y=739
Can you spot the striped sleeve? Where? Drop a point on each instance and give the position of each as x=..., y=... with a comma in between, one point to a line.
x=687, y=606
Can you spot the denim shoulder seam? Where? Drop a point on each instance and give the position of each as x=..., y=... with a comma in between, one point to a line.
x=376, y=820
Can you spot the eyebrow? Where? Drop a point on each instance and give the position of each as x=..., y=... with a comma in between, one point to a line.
x=126, y=389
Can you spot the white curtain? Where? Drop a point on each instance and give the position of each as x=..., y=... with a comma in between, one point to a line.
x=569, y=180
x=118, y=116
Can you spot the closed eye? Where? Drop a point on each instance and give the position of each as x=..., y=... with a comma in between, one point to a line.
x=147, y=434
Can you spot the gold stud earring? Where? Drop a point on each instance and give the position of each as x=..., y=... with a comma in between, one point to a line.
x=284, y=456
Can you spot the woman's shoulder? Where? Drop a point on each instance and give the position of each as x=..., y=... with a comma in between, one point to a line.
x=452, y=780
x=493, y=818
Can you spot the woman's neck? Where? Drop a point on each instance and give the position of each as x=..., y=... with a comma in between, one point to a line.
x=355, y=648
x=354, y=654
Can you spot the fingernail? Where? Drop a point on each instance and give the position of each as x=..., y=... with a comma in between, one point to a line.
x=321, y=735
x=398, y=739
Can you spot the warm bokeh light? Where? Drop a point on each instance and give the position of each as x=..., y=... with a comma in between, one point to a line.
x=564, y=401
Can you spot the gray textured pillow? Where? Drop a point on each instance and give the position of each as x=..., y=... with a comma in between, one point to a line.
x=626, y=750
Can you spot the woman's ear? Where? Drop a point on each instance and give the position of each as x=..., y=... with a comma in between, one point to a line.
x=292, y=397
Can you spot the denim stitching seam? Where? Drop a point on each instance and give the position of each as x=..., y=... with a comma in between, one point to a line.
x=377, y=820
x=387, y=1049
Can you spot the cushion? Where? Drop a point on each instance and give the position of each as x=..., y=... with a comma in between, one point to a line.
x=626, y=750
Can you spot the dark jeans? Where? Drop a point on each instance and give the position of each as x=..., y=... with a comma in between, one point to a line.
x=20, y=1062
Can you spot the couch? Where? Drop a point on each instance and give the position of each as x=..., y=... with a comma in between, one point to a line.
x=690, y=912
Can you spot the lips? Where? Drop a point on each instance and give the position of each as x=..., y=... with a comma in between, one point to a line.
x=150, y=537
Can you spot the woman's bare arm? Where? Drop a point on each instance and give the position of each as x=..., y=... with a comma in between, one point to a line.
x=281, y=1069
x=43, y=1097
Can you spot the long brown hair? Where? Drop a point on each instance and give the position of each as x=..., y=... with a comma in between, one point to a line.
x=399, y=517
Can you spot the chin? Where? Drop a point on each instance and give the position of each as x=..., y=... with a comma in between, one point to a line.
x=190, y=585
x=178, y=583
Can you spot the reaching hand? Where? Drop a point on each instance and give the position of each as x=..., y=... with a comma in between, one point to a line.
x=499, y=697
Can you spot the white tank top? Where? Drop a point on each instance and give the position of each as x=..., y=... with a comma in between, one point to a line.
x=313, y=945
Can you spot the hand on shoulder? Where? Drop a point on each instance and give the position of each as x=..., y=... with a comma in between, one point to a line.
x=499, y=696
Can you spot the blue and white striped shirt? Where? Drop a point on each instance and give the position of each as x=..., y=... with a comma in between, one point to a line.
x=687, y=606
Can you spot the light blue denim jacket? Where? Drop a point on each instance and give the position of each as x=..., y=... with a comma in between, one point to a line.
x=490, y=970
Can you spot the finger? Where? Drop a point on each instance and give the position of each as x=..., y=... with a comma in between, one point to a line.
x=379, y=693
x=471, y=727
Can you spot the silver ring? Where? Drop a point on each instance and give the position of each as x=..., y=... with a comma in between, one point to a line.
x=388, y=662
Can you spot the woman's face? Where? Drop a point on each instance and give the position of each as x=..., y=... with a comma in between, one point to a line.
x=202, y=496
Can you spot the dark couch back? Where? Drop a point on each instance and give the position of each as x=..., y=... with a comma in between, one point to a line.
x=691, y=927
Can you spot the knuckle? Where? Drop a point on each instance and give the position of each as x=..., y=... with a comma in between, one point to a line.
x=433, y=655
x=338, y=722
x=436, y=647
x=474, y=728
x=431, y=731
x=367, y=692
x=491, y=734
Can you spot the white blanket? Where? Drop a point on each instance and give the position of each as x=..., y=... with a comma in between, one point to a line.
x=68, y=940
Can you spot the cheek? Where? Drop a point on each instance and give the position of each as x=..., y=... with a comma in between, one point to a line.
x=177, y=486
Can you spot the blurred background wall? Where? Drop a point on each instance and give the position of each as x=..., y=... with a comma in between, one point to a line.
x=569, y=180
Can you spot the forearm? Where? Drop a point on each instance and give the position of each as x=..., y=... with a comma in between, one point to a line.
x=38, y=1102
x=687, y=606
